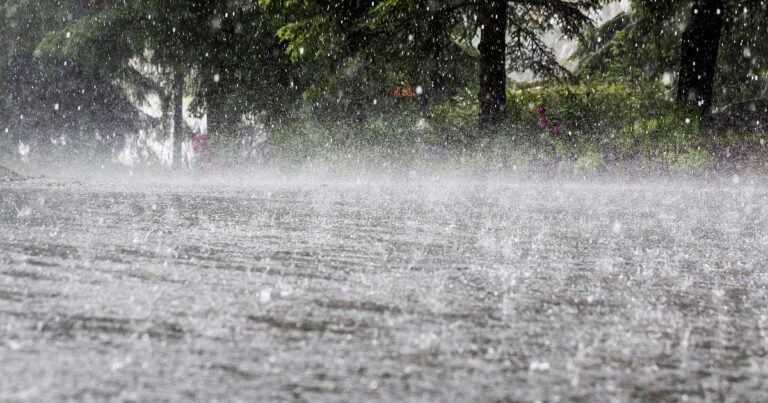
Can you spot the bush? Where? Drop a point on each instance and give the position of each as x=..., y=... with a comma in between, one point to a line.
x=693, y=161
x=619, y=119
x=599, y=123
x=589, y=163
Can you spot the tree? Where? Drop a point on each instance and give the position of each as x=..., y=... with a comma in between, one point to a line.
x=178, y=115
x=718, y=57
x=47, y=101
x=493, y=71
x=742, y=54
x=639, y=45
x=226, y=52
x=243, y=66
x=698, y=56
x=510, y=34
x=333, y=44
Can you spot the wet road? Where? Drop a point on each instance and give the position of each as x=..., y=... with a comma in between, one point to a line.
x=398, y=289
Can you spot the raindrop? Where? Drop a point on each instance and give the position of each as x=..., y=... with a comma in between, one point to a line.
x=24, y=151
x=539, y=366
x=265, y=296
x=666, y=78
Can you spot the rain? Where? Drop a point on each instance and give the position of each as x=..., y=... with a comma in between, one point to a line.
x=389, y=200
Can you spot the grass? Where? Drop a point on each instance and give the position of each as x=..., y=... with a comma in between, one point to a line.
x=414, y=142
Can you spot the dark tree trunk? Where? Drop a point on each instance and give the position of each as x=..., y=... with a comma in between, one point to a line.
x=166, y=119
x=215, y=94
x=433, y=90
x=493, y=74
x=178, y=116
x=698, y=56
x=216, y=117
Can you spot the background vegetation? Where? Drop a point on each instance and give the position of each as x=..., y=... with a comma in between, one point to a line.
x=671, y=83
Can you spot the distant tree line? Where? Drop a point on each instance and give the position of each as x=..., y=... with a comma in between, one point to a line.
x=87, y=65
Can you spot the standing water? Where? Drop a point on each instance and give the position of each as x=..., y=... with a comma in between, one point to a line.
x=356, y=289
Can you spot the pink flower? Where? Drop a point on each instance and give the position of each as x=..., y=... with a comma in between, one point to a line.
x=557, y=129
x=199, y=141
x=203, y=152
x=543, y=121
x=541, y=110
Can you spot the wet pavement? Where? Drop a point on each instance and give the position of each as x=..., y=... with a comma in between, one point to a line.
x=399, y=289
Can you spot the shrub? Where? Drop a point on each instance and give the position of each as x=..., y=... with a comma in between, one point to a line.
x=611, y=116
x=693, y=161
x=589, y=162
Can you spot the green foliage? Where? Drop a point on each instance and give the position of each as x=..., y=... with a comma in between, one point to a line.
x=229, y=52
x=360, y=51
x=589, y=162
x=57, y=96
x=399, y=143
x=743, y=57
x=644, y=44
x=641, y=44
x=457, y=116
x=692, y=161
x=357, y=53
x=325, y=75
x=607, y=115
x=84, y=41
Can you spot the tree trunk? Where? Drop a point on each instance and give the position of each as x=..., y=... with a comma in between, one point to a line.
x=698, y=56
x=178, y=117
x=214, y=93
x=493, y=74
x=433, y=89
x=166, y=118
x=215, y=115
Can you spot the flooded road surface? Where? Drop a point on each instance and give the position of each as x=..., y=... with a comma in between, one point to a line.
x=397, y=290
